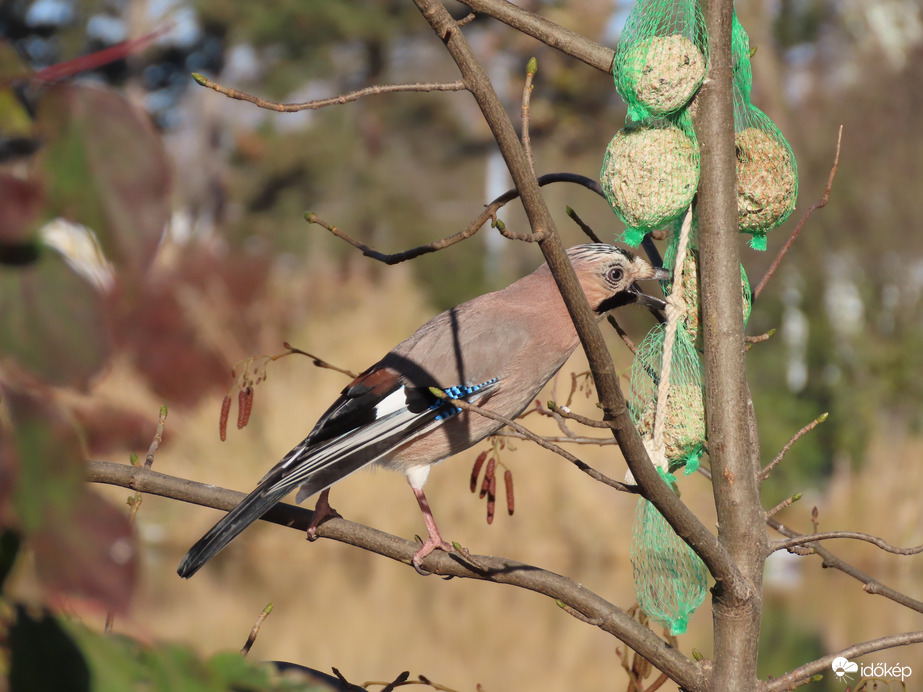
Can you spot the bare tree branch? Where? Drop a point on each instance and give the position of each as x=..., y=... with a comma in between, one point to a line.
x=565, y=412
x=323, y=103
x=764, y=474
x=609, y=617
x=488, y=214
x=623, y=335
x=546, y=31
x=589, y=232
x=791, y=680
x=255, y=630
x=832, y=561
x=731, y=425
x=787, y=502
x=319, y=362
x=562, y=439
x=759, y=338
x=854, y=535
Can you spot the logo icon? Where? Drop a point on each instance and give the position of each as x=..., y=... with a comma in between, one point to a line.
x=842, y=667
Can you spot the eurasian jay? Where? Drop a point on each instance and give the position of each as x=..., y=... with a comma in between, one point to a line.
x=495, y=351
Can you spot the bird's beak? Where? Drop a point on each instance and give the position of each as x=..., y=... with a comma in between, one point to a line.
x=648, y=300
x=661, y=274
x=641, y=298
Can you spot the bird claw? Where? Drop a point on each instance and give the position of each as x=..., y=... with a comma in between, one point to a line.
x=429, y=545
x=322, y=512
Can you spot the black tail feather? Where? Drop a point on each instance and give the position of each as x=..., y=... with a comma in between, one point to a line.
x=251, y=508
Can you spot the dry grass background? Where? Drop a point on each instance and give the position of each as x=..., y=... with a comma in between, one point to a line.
x=372, y=618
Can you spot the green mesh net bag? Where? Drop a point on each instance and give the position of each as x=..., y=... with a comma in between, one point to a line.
x=684, y=411
x=661, y=58
x=651, y=169
x=740, y=57
x=650, y=174
x=767, y=173
x=670, y=579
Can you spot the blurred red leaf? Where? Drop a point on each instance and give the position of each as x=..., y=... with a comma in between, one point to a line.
x=83, y=546
x=20, y=204
x=164, y=344
x=107, y=427
x=170, y=339
x=106, y=168
x=54, y=322
x=86, y=551
x=42, y=449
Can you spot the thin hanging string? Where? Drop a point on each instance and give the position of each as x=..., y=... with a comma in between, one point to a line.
x=676, y=308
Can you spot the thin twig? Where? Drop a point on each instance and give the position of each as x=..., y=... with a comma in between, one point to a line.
x=534, y=25
x=323, y=103
x=531, y=69
x=832, y=561
x=554, y=415
x=657, y=684
x=590, y=233
x=255, y=630
x=565, y=412
x=787, y=502
x=467, y=19
x=423, y=680
x=403, y=681
x=822, y=202
x=134, y=502
x=764, y=474
x=751, y=341
x=537, y=439
x=575, y=386
x=623, y=334
x=854, y=535
x=319, y=362
x=561, y=439
x=158, y=438
x=488, y=214
x=760, y=338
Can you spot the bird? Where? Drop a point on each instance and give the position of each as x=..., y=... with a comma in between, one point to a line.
x=495, y=351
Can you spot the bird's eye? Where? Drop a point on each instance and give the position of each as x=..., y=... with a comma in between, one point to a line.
x=615, y=274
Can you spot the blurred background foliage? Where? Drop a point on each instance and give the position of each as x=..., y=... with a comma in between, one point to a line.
x=134, y=146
